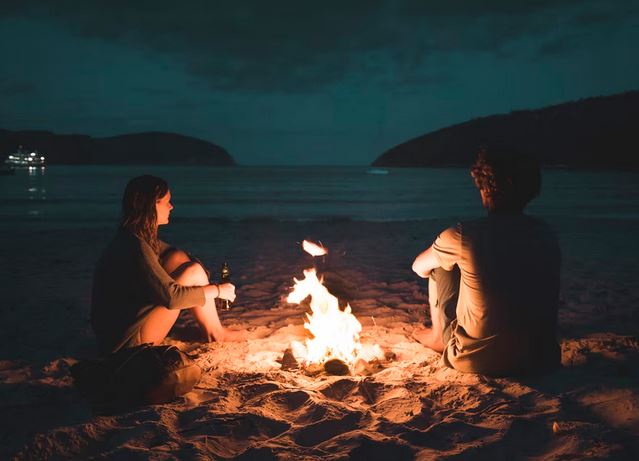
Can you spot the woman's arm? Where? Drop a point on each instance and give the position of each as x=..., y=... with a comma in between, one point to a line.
x=222, y=291
x=163, y=288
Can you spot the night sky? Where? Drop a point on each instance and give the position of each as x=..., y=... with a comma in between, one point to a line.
x=297, y=82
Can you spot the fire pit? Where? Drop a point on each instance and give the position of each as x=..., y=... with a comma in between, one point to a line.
x=335, y=345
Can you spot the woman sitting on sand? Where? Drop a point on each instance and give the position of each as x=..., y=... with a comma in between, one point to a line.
x=141, y=283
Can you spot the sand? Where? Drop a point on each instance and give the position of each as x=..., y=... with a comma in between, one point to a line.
x=247, y=407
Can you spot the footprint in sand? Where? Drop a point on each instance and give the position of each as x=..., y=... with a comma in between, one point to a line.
x=339, y=389
x=314, y=434
x=250, y=391
x=447, y=434
x=398, y=406
x=240, y=427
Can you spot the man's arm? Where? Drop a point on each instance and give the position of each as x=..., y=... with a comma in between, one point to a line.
x=425, y=262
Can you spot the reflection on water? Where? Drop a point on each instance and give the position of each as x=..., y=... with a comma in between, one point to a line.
x=36, y=170
x=37, y=191
x=91, y=195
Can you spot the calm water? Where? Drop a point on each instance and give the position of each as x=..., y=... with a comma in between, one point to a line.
x=88, y=196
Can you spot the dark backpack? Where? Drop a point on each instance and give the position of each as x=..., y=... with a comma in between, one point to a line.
x=136, y=376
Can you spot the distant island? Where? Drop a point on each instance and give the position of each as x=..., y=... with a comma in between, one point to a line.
x=600, y=132
x=152, y=148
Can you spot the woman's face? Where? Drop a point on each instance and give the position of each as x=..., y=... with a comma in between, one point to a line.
x=163, y=208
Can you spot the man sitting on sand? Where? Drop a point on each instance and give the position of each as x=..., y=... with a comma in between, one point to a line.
x=494, y=281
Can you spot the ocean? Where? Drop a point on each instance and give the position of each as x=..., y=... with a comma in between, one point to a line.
x=88, y=196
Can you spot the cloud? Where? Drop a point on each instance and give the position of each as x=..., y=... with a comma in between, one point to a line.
x=559, y=46
x=294, y=46
x=156, y=92
x=12, y=88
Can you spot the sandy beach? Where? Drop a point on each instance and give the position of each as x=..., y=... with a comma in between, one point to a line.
x=247, y=407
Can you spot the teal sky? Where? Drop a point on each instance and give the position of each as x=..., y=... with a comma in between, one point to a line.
x=292, y=82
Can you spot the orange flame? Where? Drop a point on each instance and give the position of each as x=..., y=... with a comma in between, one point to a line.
x=336, y=332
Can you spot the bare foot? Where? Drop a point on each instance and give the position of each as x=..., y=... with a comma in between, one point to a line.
x=228, y=336
x=429, y=338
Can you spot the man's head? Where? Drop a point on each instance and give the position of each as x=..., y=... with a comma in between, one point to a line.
x=506, y=178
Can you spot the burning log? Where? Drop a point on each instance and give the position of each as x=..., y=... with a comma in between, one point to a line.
x=336, y=366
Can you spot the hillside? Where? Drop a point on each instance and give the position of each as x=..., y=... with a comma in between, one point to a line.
x=601, y=132
x=152, y=148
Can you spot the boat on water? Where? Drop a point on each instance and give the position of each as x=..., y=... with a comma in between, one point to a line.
x=376, y=171
x=23, y=158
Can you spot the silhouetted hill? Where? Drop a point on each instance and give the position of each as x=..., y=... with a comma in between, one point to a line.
x=601, y=132
x=153, y=148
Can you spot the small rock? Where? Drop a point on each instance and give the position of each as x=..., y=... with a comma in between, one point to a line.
x=312, y=369
x=288, y=360
x=361, y=367
x=336, y=367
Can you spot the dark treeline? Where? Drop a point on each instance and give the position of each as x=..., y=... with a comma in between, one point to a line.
x=153, y=148
x=601, y=132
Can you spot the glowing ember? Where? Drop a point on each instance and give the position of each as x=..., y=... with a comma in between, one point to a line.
x=314, y=249
x=335, y=331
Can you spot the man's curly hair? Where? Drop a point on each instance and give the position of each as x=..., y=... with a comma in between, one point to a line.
x=509, y=179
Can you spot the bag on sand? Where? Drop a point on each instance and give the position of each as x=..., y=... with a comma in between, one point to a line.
x=134, y=376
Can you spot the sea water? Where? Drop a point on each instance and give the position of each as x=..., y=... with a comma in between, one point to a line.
x=86, y=196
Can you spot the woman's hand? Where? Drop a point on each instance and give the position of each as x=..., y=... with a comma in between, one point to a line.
x=222, y=291
x=227, y=291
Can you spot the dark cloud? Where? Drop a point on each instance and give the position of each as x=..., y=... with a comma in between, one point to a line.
x=410, y=81
x=156, y=92
x=559, y=46
x=608, y=13
x=582, y=26
x=8, y=89
x=186, y=106
x=296, y=46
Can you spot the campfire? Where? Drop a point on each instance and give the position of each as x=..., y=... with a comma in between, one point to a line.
x=335, y=342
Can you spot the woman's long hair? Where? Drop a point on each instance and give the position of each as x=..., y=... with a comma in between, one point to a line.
x=139, y=215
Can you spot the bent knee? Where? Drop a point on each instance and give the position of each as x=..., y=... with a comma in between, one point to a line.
x=192, y=273
x=173, y=258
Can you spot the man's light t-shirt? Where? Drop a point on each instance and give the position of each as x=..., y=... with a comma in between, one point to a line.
x=509, y=293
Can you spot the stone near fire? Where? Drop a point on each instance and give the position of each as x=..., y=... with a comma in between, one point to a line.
x=288, y=360
x=336, y=367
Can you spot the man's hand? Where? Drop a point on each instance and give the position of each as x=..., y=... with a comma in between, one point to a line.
x=425, y=262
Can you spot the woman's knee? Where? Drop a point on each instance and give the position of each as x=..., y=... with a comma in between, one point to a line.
x=192, y=274
x=173, y=258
